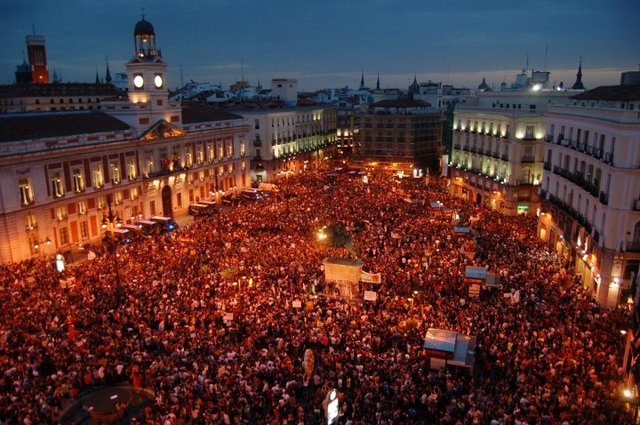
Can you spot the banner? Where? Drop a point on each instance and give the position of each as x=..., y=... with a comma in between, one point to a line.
x=370, y=277
x=370, y=296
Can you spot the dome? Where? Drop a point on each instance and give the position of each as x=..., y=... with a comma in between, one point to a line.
x=484, y=86
x=144, y=27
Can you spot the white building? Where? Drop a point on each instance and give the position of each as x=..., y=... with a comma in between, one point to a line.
x=591, y=188
x=146, y=154
x=497, y=154
x=286, y=90
x=289, y=140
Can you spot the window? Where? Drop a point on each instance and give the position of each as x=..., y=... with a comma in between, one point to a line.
x=57, y=188
x=242, y=148
x=101, y=203
x=117, y=198
x=528, y=134
x=64, y=236
x=98, y=177
x=31, y=222
x=134, y=194
x=78, y=180
x=84, y=230
x=210, y=153
x=152, y=207
x=61, y=213
x=229, y=150
x=199, y=156
x=201, y=175
x=220, y=152
x=189, y=159
x=132, y=170
x=149, y=167
x=26, y=192
x=116, y=177
x=82, y=207
x=179, y=199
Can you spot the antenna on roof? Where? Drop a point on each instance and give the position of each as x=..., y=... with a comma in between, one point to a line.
x=143, y=13
x=181, y=77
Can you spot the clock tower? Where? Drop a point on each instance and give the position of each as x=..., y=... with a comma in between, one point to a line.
x=147, y=70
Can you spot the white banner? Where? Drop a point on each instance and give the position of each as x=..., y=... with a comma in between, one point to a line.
x=370, y=277
x=370, y=296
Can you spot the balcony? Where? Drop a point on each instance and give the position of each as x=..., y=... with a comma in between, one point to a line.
x=604, y=198
x=547, y=166
x=632, y=245
x=549, y=138
x=526, y=159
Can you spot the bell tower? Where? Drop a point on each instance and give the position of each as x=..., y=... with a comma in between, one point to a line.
x=147, y=70
x=37, y=59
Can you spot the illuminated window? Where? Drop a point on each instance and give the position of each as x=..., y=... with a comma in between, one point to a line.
x=134, y=194
x=98, y=176
x=26, y=192
x=229, y=150
x=189, y=160
x=82, y=207
x=61, y=213
x=201, y=175
x=210, y=153
x=31, y=222
x=116, y=176
x=190, y=178
x=242, y=148
x=117, y=198
x=78, y=180
x=57, y=188
x=199, y=156
x=132, y=170
x=101, y=203
x=149, y=167
x=220, y=152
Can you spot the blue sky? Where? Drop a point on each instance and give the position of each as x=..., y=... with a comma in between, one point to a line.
x=328, y=43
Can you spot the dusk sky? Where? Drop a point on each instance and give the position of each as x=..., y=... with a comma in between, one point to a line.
x=328, y=43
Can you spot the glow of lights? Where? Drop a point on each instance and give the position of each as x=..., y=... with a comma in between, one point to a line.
x=627, y=393
x=623, y=332
x=537, y=87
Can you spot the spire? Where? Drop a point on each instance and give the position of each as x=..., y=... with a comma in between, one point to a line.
x=378, y=82
x=97, y=77
x=362, y=80
x=578, y=84
x=107, y=77
x=55, y=78
x=415, y=79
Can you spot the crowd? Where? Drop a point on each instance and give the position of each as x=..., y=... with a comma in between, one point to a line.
x=209, y=324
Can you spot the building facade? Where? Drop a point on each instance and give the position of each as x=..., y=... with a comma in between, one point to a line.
x=404, y=132
x=146, y=154
x=289, y=140
x=591, y=188
x=497, y=152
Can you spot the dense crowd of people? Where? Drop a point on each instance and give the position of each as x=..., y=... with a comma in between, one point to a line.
x=208, y=321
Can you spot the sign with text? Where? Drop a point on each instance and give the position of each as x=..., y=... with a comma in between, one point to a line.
x=370, y=296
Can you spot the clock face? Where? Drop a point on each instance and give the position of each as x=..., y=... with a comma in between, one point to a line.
x=158, y=81
x=138, y=81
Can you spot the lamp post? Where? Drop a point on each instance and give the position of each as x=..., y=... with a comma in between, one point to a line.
x=110, y=222
x=215, y=176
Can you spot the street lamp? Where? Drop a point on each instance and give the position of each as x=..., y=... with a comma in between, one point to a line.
x=110, y=222
x=39, y=243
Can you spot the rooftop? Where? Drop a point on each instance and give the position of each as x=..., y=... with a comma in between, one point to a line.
x=621, y=93
x=41, y=125
x=59, y=90
x=401, y=103
x=201, y=113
